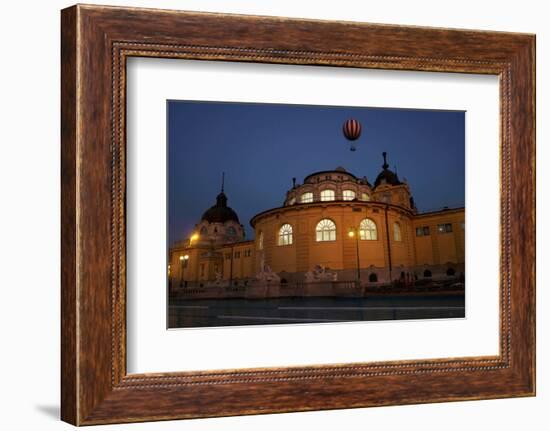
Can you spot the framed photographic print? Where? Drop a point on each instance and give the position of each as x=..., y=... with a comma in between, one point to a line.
x=321, y=214
x=333, y=247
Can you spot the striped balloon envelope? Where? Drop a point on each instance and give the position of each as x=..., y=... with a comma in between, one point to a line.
x=352, y=131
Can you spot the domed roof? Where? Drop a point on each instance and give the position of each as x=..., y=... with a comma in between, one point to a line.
x=339, y=170
x=386, y=176
x=220, y=213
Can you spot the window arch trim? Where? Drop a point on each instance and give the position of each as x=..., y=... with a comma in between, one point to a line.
x=368, y=230
x=285, y=234
x=349, y=194
x=325, y=230
x=260, y=244
x=397, y=233
x=309, y=199
x=327, y=195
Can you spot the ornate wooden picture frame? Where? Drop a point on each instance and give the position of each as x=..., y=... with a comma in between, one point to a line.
x=96, y=42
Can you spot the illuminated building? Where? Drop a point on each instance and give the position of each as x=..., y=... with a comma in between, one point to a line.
x=334, y=225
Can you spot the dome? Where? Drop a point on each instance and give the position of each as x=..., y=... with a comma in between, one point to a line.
x=220, y=213
x=386, y=176
x=338, y=170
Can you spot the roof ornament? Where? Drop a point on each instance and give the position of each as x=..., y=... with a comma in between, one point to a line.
x=223, y=180
x=385, y=166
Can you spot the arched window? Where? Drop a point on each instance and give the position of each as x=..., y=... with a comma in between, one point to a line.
x=365, y=197
x=261, y=241
x=348, y=195
x=396, y=232
x=292, y=201
x=450, y=272
x=285, y=234
x=306, y=198
x=327, y=195
x=373, y=278
x=427, y=273
x=367, y=230
x=231, y=230
x=325, y=230
x=203, y=230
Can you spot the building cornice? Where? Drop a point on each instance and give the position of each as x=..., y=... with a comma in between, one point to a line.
x=438, y=212
x=338, y=203
x=330, y=172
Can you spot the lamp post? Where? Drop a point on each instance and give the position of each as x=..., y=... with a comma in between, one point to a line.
x=183, y=260
x=354, y=233
x=231, y=267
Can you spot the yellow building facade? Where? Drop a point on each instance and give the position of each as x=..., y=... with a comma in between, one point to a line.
x=334, y=226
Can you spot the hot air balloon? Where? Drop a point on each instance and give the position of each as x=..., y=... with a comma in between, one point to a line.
x=352, y=131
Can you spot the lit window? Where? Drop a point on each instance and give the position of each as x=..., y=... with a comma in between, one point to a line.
x=326, y=230
x=306, y=198
x=445, y=228
x=365, y=197
x=396, y=232
x=285, y=234
x=327, y=195
x=367, y=230
x=261, y=241
x=423, y=231
x=292, y=201
x=348, y=195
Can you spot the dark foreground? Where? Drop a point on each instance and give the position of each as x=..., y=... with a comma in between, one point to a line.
x=238, y=312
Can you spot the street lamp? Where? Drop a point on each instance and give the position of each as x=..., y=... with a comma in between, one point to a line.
x=353, y=233
x=183, y=260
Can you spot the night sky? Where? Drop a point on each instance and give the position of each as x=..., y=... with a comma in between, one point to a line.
x=260, y=147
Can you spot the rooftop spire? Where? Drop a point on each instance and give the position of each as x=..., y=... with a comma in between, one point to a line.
x=385, y=165
x=221, y=199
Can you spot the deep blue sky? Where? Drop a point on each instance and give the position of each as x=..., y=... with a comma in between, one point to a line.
x=260, y=147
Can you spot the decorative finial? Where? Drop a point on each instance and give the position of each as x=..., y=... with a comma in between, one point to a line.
x=294, y=182
x=385, y=165
x=223, y=180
